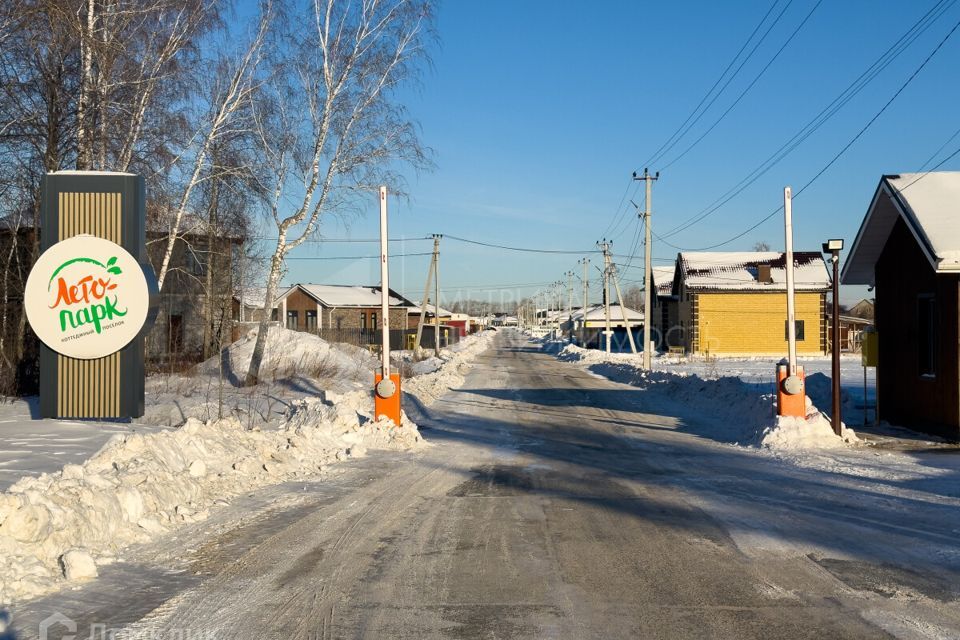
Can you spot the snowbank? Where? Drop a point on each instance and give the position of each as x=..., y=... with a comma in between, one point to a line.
x=295, y=365
x=58, y=527
x=141, y=486
x=289, y=353
x=428, y=387
x=736, y=411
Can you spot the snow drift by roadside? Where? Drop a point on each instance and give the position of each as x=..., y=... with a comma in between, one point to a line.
x=138, y=486
x=59, y=527
x=428, y=387
x=738, y=412
x=290, y=353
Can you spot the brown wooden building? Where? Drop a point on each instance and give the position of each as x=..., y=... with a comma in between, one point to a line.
x=340, y=313
x=908, y=248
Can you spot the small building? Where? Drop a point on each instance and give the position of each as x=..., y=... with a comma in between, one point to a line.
x=863, y=309
x=908, y=248
x=735, y=303
x=851, y=331
x=341, y=313
x=588, y=327
x=665, y=313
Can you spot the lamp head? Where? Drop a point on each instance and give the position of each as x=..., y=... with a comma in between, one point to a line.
x=832, y=246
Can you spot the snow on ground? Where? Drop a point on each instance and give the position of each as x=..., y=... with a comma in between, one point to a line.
x=58, y=525
x=426, y=388
x=296, y=365
x=739, y=411
x=732, y=401
x=30, y=447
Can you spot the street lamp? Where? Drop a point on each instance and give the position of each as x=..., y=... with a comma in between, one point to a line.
x=833, y=247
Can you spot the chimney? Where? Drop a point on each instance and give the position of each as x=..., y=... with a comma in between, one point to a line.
x=763, y=274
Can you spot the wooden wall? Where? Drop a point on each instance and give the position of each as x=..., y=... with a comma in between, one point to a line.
x=906, y=397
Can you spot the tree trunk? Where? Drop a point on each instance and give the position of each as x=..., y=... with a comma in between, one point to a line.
x=211, y=265
x=84, y=133
x=276, y=263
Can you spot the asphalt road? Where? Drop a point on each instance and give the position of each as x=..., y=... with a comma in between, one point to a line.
x=552, y=505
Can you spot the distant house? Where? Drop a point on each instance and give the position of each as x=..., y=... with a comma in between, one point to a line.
x=732, y=303
x=341, y=313
x=863, y=309
x=908, y=248
x=665, y=311
x=589, y=326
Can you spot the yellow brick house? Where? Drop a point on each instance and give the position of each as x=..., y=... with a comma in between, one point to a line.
x=735, y=303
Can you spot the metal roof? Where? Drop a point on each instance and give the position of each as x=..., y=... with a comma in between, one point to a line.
x=737, y=271
x=929, y=204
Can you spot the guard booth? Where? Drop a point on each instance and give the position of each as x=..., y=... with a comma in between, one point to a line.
x=92, y=295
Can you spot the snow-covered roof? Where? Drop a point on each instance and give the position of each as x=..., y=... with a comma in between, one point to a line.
x=663, y=280
x=929, y=204
x=415, y=309
x=596, y=312
x=737, y=271
x=340, y=295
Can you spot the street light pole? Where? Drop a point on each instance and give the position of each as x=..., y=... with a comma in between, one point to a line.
x=833, y=247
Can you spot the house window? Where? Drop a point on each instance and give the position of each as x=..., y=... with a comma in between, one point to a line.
x=363, y=321
x=798, y=327
x=193, y=263
x=293, y=320
x=275, y=314
x=311, y=319
x=927, y=335
x=373, y=320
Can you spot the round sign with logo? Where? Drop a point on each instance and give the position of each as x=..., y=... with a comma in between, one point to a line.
x=86, y=297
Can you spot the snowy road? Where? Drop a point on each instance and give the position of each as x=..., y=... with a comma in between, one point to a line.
x=553, y=506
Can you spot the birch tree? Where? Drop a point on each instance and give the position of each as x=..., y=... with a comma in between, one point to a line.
x=229, y=100
x=331, y=126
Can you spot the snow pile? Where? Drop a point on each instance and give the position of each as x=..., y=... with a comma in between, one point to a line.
x=812, y=432
x=295, y=365
x=288, y=353
x=456, y=362
x=138, y=486
x=735, y=411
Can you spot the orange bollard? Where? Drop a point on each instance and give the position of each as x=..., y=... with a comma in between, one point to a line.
x=791, y=404
x=387, y=406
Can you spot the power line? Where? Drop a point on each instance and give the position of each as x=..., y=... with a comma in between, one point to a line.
x=346, y=240
x=923, y=167
x=854, y=88
x=376, y=257
x=938, y=165
x=748, y=87
x=837, y=156
x=674, y=137
x=522, y=249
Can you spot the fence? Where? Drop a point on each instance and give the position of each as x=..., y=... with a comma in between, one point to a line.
x=399, y=338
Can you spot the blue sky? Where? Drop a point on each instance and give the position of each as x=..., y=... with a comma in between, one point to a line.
x=538, y=112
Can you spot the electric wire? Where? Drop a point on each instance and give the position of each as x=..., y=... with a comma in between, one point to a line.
x=854, y=88
x=674, y=137
x=840, y=153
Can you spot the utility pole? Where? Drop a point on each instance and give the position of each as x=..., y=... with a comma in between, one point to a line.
x=570, y=304
x=426, y=293
x=583, y=314
x=436, y=302
x=605, y=247
x=647, y=260
x=623, y=308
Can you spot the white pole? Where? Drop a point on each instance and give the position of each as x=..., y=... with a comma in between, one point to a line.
x=791, y=314
x=384, y=285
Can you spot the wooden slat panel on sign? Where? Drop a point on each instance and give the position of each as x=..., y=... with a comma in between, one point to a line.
x=89, y=388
